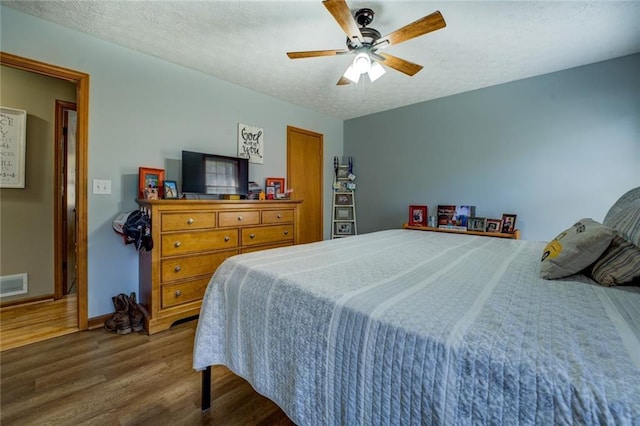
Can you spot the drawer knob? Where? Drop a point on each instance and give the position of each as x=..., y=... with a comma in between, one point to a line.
x=239, y=218
x=252, y=236
x=177, y=244
x=178, y=293
x=226, y=238
x=177, y=268
x=190, y=221
x=279, y=216
x=286, y=232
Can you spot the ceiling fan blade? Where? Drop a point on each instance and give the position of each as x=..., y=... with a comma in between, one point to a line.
x=402, y=65
x=344, y=18
x=315, y=53
x=343, y=81
x=422, y=26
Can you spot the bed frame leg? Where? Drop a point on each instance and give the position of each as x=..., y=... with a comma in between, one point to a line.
x=206, y=388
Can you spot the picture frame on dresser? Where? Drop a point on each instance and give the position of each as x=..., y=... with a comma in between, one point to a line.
x=149, y=178
x=276, y=182
x=418, y=216
x=170, y=189
x=509, y=223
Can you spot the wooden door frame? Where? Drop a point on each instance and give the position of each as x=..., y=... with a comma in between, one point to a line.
x=81, y=81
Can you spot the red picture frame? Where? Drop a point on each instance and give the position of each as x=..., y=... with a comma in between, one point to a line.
x=418, y=215
x=150, y=178
x=278, y=182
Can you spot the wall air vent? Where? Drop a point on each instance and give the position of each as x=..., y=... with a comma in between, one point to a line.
x=11, y=285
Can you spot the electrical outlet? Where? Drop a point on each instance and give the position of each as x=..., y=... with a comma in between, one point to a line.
x=102, y=186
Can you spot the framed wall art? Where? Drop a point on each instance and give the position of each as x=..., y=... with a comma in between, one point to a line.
x=149, y=178
x=418, y=216
x=13, y=143
x=508, y=223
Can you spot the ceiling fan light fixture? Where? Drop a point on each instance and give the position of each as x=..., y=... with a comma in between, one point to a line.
x=376, y=71
x=352, y=74
x=362, y=62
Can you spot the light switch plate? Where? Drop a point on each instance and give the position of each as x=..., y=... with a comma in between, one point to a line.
x=102, y=186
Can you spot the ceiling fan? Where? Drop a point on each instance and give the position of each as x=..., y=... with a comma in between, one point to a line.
x=366, y=42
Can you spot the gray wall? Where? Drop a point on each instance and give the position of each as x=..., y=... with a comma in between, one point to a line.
x=551, y=149
x=144, y=112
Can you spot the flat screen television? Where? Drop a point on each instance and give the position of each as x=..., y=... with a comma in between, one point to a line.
x=214, y=175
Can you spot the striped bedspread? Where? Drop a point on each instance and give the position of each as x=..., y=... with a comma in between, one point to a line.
x=409, y=328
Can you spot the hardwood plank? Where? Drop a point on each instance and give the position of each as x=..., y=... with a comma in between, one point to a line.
x=97, y=377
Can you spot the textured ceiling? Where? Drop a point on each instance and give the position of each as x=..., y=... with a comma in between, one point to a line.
x=484, y=44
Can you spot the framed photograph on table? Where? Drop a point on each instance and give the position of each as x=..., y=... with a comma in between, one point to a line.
x=508, y=223
x=149, y=178
x=276, y=182
x=170, y=189
x=418, y=216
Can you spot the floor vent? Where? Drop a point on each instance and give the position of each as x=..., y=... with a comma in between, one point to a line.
x=11, y=285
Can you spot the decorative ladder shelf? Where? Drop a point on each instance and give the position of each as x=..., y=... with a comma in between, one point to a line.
x=343, y=214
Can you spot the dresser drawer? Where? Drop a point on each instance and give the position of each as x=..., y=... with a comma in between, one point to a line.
x=267, y=247
x=196, y=241
x=277, y=216
x=193, y=266
x=185, y=292
x=187, y=221
x=266, y=234
x=238, y=218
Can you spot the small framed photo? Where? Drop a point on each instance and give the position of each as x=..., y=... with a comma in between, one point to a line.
x=418, y=216
x=509, y=223
x=344, y=228
x=478, y=224
x=276, y=182
x=271, y=191
x=343, y=172
x=494, y=225
x=149, y=180
x=170, y=189
x=344, y=213
x=343, y=199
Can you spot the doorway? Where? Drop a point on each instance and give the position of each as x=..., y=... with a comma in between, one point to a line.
x=77, y=169
x=304, y=171
x=66, y=121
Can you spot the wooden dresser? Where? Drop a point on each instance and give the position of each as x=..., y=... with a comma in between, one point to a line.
x=193, y=237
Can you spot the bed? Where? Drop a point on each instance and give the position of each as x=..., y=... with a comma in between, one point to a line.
x=409, y=327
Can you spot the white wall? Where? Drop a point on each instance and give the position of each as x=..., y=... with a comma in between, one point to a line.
x=551, y=149
x=144, y=112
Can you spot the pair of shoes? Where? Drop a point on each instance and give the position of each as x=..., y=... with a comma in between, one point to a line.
x=128, y=316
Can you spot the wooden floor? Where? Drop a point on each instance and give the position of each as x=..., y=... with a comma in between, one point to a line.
x=96, y=377
x=34, y=322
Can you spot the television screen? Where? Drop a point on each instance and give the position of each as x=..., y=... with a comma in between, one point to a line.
x=214, y=174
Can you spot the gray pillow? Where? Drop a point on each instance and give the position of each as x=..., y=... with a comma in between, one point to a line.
x=575, y=249
x=619, y=264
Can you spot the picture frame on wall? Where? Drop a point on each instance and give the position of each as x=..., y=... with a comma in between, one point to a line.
x=13, y=145
x=170, y=189
x=494, y=225
x=478, y=224
x=276, y=182
x=418, y=216
x=509, y=223
x=150, y=179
